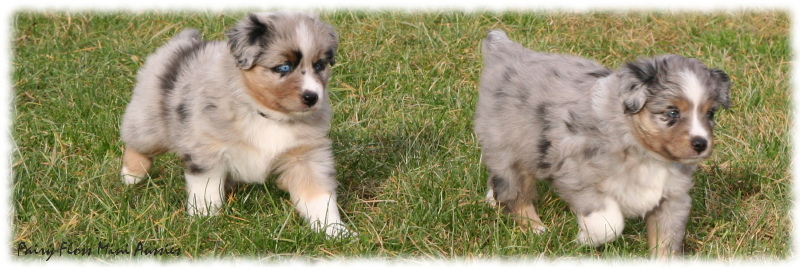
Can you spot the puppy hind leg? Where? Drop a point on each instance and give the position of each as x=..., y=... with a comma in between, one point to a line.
x=490, y=193
x=135, y=166
x=526, y=215
x=307, y=174
x=516, y=197
x=524, y=210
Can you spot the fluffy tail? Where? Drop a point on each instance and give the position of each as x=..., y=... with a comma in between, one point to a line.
x=495, y=36
x=497, y=47
x=493, y=41
x=183, y=41
x=189, y=34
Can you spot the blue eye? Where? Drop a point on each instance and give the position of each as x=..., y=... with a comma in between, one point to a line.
x=319, y=66
x=673, y=114
x=283, y=69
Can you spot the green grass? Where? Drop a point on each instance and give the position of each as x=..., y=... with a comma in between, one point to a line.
x=403, y=93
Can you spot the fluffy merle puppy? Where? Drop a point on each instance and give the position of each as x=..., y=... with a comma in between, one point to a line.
x=239, y=110
x=614, y=144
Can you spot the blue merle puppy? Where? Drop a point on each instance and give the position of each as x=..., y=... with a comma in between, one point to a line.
x=239, y=110
x=614, y=144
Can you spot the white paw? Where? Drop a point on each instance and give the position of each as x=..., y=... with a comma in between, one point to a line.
x=129, y=178
x=206, y=193
x=538, y=228
x=323, y=215
x=490, y=199
x=601, y=226
x=334, y=230
x=595, y=238
x=204, y=209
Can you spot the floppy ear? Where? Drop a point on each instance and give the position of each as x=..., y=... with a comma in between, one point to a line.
x=639, y=76
x=335, y=47
x=248, y=39
x=723, y=84
x=330, y=54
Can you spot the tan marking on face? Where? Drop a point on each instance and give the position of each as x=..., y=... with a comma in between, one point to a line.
x=671, y=142
x=272, y=92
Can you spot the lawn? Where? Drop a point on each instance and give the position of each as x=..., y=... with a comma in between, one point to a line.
x=411, y=181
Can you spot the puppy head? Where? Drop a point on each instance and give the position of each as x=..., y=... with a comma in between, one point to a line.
x=671, y=101
x=285, y=59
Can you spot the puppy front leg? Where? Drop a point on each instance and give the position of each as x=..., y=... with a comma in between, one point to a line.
x=601, y=225
x=666, y=225
x=307, y=173
x=206, y=188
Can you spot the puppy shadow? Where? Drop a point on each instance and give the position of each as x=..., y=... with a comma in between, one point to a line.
x=725, y=194
x=365, y=161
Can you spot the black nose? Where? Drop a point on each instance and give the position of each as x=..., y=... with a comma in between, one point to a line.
x=699, y=144
x=309, y=98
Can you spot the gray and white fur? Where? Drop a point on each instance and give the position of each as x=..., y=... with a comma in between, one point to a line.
x=236, y=111
x=613, y=144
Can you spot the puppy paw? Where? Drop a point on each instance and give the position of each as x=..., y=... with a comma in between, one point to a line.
x=334, y=230
x=594, y=238
x=535, y=227
x=206, y=193
x=601, y=226
x=527, y=218
x=130, y=178
x=323, y=216
x=202, y=210
x=490, y=199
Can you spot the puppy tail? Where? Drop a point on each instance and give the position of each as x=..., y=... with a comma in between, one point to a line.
x=493, y=39
x=496, y=36
x=181, y=44
x=189, y=34
x=497, y=47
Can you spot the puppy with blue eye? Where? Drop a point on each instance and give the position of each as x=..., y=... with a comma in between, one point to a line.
x=239, y=110
x=613, y=144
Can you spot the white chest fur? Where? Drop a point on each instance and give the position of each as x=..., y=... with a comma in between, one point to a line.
x=262, y=141
x=639, y=189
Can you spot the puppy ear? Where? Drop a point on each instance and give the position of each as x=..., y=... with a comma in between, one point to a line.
x=723, y=84
x=330, y=54
x=248, y=38
x=335, y=45
x=638, y=77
